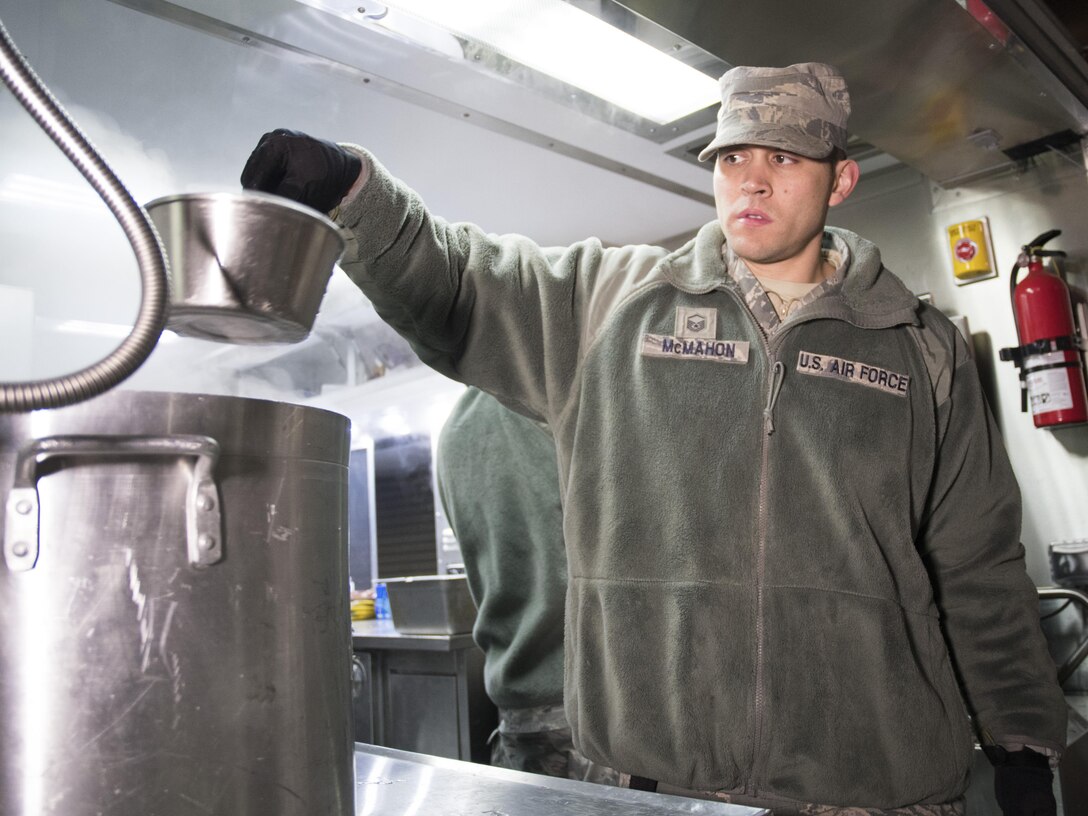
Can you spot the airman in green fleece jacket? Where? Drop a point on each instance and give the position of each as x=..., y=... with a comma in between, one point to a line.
x=792, y=529
x=499, y=485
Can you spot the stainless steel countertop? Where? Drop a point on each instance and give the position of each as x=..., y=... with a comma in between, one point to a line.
x=380, y=634
x=399, y=783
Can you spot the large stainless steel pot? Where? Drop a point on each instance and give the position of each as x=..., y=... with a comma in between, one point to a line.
x=174, y=626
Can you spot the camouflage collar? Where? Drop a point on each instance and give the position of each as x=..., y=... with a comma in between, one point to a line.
x=835, y=250
x=870, y=296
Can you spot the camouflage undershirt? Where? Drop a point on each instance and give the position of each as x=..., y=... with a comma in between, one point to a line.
x=834, y=251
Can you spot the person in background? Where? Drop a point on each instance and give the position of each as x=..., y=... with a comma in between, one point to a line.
x=795, y=578
x=499, y=484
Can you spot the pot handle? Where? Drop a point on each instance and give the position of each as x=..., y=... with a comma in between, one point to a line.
x=203, y=521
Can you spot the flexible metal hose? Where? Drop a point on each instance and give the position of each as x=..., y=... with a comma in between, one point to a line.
x=134, y=350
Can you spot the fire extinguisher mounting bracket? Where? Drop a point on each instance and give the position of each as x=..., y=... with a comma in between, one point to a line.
x=1018, y=353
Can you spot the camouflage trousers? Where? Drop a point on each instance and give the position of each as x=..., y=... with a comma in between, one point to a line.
x=538, y=740
x=777, y=808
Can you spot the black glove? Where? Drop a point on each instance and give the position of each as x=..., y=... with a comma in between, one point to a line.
x=1023, y=782
x=296, y=166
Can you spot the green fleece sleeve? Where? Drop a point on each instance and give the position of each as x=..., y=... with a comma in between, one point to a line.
x=499, y=484
x=499, y=312
x=970, y=540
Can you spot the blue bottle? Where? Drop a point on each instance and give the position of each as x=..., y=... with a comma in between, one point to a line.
x=381, y=601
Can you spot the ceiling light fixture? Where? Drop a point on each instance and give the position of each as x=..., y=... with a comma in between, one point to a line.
x=554, y=38
x=561, y=40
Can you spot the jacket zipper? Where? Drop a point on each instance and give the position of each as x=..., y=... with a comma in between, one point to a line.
x=778, y=370
x=774, y=387
x=778, y=373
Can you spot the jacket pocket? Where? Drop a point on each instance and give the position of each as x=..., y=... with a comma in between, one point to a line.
x=658, y=678
x=861, y=707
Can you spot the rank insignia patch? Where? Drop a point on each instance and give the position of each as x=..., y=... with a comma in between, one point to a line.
x=696, y=324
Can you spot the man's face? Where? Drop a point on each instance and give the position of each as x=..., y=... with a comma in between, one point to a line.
x=772, y=204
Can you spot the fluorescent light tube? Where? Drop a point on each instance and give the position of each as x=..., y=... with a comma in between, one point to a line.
x=24, y=189
x=571, y=45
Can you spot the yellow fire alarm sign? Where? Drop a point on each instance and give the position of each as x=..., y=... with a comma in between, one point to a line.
x=972, y=255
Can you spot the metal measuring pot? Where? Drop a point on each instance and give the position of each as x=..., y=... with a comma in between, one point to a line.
x=246, y=267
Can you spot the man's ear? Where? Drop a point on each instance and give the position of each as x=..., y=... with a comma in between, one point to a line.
x=843, y=181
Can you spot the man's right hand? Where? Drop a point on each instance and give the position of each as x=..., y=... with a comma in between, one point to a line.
x=1023, y=782
x=296, y=166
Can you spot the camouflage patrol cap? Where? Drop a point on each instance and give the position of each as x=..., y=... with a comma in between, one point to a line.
x=802, y=108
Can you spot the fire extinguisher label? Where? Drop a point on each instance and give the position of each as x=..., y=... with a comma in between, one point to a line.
x=1048, y=390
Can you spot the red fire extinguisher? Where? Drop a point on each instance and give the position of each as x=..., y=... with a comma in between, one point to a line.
x=1051, y=374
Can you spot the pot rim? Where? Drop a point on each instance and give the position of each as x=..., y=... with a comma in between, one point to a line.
x=246, y=197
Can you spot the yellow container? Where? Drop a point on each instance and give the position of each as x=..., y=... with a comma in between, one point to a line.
x=969, y=243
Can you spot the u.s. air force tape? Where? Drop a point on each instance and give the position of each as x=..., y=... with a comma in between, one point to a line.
x=824, y=365
x=686, y=348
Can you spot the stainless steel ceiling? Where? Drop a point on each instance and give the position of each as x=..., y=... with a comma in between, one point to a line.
x=931, y=85
x=936, y=85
